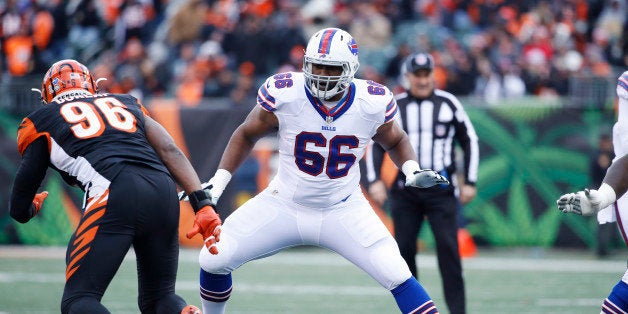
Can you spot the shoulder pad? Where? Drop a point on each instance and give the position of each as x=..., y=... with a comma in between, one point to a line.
x=377, y=99
x=277, y=89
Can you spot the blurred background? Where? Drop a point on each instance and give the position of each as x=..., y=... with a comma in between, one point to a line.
x=537, y=79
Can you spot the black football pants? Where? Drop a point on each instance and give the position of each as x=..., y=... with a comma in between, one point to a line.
x=140, y=209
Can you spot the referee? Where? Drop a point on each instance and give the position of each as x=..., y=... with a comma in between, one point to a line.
x=435, y=121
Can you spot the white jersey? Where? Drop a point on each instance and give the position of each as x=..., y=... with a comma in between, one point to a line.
x=319, y=147
x=622, y=94
x=620, y=129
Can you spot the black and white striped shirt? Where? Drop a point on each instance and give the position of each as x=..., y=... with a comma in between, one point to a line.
x=433, y=125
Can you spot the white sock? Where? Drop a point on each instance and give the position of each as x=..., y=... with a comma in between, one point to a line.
x=210, y=307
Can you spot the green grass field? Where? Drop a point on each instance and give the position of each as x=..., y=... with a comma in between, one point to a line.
x=312, y=280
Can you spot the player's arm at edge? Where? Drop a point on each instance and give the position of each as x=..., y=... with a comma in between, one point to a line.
x=616, y=176
x=206, y=220
x=589, y=202
x=28, y=178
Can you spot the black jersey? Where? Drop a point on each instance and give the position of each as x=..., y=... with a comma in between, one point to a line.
x=91, y=138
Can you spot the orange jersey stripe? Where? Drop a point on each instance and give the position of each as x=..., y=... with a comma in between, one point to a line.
x=86, y=232
x=93, y=204
x=144, y=110
x=84, y=241
x=89, y=222
x=70, y=270
x=27, y=133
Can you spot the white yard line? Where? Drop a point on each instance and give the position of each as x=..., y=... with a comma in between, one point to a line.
x=551, y=265
x=31, y=277
x=569, y=302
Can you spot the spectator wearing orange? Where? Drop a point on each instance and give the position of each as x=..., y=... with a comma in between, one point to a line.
x=19, y=51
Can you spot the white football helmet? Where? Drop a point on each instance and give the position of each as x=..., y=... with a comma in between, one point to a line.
x=335, y=47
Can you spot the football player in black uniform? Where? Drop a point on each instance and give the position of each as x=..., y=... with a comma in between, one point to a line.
x=125, y=162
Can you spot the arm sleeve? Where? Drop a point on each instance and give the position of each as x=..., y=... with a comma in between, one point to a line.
x=29, y=176
x=374, y=160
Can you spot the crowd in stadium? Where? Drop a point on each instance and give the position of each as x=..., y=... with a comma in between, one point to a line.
x=191, y=49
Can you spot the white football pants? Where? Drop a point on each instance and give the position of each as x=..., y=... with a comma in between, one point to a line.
x=266, y=224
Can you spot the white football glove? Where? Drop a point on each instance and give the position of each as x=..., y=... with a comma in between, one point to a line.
x=587, y=202
x=578, y=203
x=425, y=178
x=215, y=186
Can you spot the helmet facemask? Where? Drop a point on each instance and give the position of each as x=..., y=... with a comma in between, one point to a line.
x=325, y=87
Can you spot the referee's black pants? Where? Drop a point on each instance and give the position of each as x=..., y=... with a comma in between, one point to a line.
x=439, y=205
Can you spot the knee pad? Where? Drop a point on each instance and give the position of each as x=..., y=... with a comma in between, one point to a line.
x=390, y=267
x=364, y=227
x=221, y=263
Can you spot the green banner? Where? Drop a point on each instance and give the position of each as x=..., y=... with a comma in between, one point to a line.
x=530, y=155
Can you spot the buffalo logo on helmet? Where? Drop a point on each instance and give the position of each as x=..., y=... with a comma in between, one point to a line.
x=353, y=47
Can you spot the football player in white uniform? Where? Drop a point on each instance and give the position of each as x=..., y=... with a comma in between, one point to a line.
x=615, y=183
x=619, y=212
x=324, y=119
